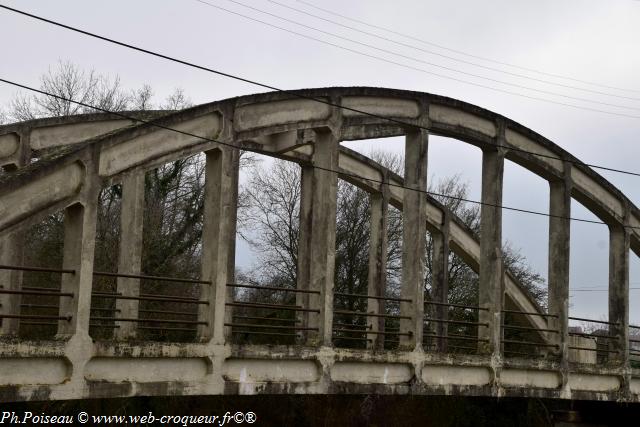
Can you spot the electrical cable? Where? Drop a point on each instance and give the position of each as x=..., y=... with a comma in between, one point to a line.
x=367, y=45
x=296, y=94
x=430, y=52
x=465, y=53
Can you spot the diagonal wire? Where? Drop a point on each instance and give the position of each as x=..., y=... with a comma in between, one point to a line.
x=430, y=52
x=368, y=24
x=302, y=96
x=370, y=46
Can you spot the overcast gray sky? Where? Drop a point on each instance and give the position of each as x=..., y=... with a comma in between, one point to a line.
x=590, y=40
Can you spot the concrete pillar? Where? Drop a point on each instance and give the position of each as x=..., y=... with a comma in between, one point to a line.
x=619, y=241
x=78, y=254
x=130, y=256
x=304, y=249
x=377, y=277
x=559, y=249
x=414, y=238
x=491, y=287
x=440, y=281
x=322, y=243
x=11, y=253
x=218, y=242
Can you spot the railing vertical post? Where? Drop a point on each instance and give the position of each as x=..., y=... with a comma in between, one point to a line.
x=78, y=255
x=559, y=249
x=130, y=251
x=218, y=241
x=414, y=237
x=377, y=277
x=491, y=287
x=619, y=242
x=322, y=243
x=440, y=280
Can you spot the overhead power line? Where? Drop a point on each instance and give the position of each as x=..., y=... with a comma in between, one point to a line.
x=320, y=41
x=292, y=93
x=460, y=52
x=411, y=58
x=267, y=153
x=431, y=52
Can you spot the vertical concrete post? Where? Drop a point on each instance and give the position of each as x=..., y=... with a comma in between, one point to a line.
x=218, y=242
x=130, y=256
x=377, y=277
x=322, y=243
x=491, y=287
x=619, y=241
x=414, y=238
x=440, y=281
x=12, y=253
x=559, y=249
x=78, y=254
x=304, y=249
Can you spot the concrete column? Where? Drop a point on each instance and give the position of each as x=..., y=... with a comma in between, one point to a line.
x=491, y=287
x=619, y=241
x=218, y=242
x=559, y=249
x=322, y=243
x=130, y=256
x=414, y=238
x=304, y=248
x=78, y=254
x=11, y=253
x=377, y=277
x=440, y=281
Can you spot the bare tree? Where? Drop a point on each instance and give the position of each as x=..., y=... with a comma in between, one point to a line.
x=176, y=101
x=173, y=194
x=269, y=218
x=141, y=98
x=70, y=82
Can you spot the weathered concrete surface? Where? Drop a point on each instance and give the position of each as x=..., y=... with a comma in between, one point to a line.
x=377, y=277
x=130, y=251
x=306, y=132
x=559, y=247
x=582, y=356
x=218, y=241
x=440, y=281
x=414, y=238
x=491, y=277
x=322, y=236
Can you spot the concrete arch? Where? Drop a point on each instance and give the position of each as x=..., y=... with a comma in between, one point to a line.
x=118, y=138
x=269, y=120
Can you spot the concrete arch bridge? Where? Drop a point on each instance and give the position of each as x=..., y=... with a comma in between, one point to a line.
x=410, y=348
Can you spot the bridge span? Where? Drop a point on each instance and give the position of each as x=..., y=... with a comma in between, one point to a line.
x=60, y=165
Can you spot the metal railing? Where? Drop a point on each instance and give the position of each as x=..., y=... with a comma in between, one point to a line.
x=251, y=325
